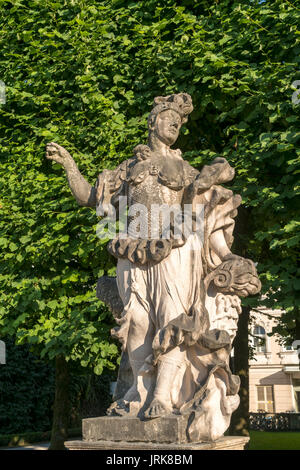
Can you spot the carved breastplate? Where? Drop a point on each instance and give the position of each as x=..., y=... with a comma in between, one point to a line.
x=153, y=186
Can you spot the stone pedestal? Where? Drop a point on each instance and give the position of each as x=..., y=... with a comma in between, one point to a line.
x=129, y=433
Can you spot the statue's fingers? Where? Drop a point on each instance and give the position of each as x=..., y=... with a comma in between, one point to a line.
x=51, y=149
x=51, y=154
x=51, y=146
x=54, y=157
x=54, y=144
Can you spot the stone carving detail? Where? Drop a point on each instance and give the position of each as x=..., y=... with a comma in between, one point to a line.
x=176, y=299
x=235, y=276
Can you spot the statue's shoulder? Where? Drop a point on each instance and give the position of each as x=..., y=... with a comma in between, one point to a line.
x=120, y=172
x=114, y=180
x=124, y=167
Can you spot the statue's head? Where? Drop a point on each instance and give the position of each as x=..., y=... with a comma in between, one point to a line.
x=168, y=115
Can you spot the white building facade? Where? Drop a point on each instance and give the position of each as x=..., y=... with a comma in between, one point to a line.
x=274, y=373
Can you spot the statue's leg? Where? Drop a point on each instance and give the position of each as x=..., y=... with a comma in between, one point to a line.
x=139, y=346
x=137, y=329
x=167, y=368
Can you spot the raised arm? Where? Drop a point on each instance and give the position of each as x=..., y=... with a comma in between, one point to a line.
x=84, y=193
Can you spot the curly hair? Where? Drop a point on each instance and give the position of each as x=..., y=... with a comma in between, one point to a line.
x=180, y=102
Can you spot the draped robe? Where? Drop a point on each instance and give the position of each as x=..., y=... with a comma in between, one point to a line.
x=168, y=286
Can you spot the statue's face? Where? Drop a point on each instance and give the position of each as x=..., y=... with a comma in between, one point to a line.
x=167, y=126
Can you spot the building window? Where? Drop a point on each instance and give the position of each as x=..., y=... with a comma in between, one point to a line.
x=296, y=387
x=297, y=401
x=265, y=400
x=259, y=341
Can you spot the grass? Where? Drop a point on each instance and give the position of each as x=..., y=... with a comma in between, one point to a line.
x=262, y=440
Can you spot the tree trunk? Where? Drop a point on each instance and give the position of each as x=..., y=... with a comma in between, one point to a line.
x=61, y=408
x=240, y=418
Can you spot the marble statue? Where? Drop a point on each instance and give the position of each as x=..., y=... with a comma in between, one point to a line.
x=176, y=298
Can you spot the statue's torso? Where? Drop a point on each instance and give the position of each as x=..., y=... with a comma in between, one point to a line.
x=152, y=191
x=154, y=188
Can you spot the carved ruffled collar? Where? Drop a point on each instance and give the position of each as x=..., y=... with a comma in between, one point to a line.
x=170, y=172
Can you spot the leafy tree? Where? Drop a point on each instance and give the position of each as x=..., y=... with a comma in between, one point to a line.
x=84, y=74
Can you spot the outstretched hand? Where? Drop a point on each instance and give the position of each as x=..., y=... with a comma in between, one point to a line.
x=57, y=153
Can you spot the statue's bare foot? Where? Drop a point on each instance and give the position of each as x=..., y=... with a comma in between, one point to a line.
x=157, y=409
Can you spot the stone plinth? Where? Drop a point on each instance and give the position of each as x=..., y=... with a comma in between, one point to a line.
x=111, y=428
x=130, y=433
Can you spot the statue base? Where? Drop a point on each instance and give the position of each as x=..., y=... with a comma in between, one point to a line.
x=130, y=433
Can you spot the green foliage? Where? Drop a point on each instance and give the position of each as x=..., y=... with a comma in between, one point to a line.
x=84, y=74
x=26, y=391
